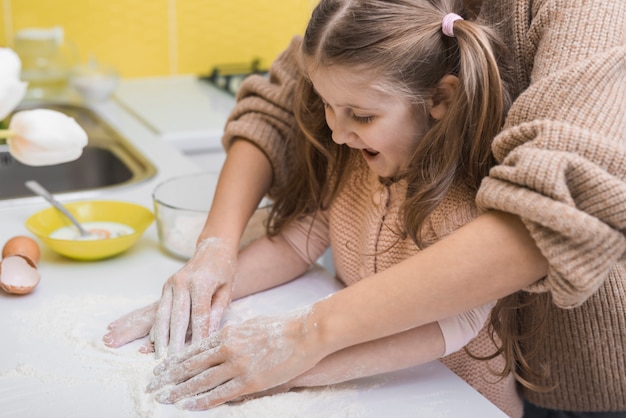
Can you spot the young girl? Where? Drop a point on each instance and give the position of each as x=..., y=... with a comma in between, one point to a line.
x=396, y=131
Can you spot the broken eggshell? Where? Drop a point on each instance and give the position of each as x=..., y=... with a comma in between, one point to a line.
x=18, y=268
x=23, y=246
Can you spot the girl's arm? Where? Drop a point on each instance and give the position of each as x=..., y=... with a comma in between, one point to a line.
x=396, y=352
x=244, y=180
x=266, y=263
x=257, y=163
x=201, y=290
x=199, y=293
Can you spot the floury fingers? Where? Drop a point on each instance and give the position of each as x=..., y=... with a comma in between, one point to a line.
x=181, y=370
x=227, y=365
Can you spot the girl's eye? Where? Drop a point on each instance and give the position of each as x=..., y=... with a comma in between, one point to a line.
x=362, y=119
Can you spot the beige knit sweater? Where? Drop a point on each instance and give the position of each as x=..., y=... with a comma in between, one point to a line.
x=562, y=169
x=364, y=227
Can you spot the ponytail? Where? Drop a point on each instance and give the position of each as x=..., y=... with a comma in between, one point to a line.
x=457, y=148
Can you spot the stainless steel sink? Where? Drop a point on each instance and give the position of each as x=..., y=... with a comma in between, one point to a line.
x=109, y=161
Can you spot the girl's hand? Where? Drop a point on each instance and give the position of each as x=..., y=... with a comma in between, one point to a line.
x=256, y=355
x=194, y=298
x=131, y=327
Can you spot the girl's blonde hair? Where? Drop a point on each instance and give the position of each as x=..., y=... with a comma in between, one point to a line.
x=399, y=43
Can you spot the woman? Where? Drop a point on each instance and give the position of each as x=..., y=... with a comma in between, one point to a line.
x=553, y=223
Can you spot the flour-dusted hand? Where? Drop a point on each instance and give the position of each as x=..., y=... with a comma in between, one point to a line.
x=241, y=359
x=132, y=326
x=194, y=298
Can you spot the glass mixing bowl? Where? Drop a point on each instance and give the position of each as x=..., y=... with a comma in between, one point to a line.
x=181, y=205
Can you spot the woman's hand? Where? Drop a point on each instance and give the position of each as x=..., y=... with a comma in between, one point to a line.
x=195, y=298
x=256, y=355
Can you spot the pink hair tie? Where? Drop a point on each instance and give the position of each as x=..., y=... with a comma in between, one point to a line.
x=447, y=24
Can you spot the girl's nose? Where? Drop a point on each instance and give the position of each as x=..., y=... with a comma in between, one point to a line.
x=341, y=131
x=337, y=138
x=341, y=135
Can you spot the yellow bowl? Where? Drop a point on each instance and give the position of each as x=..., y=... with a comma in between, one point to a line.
x=44, y=222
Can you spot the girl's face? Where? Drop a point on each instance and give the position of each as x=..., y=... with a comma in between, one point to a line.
x=385, y=128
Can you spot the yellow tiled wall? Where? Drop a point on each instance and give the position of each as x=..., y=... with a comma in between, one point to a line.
x=163, y=37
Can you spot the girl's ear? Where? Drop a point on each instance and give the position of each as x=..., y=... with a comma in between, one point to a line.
x=438, y=104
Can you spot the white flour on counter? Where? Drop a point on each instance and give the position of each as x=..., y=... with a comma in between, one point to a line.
x=71, y=331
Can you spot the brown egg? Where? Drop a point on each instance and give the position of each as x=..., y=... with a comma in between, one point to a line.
x=23, y=246
x=17, y=276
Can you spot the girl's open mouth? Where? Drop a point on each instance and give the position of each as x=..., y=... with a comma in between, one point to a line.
x=369, y=153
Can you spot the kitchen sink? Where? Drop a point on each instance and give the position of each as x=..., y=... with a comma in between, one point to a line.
x=108, y=161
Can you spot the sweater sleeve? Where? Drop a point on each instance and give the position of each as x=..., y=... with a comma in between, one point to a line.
x=562, y=152
x=264, y=116
x=461, y=329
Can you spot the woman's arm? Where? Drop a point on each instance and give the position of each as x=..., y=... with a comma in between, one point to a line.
x=406, y=349
x=562, y=151
x=491, y=257
x=487, y=259
x=395, y=352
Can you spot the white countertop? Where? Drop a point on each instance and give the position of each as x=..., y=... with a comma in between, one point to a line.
x=53, y=363
x=182, y=110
